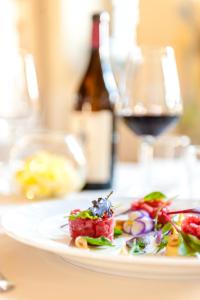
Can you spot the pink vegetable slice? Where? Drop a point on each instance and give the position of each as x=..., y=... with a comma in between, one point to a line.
x=127, y=227
x=137, y=228
x=140, y=224
x=149, y=224
x=137, y=214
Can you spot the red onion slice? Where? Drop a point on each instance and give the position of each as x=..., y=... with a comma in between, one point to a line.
x=149, y=224
x=138, y=224
x=137, y=214
x=127, y=226
x=137, y=228
x=145, y=213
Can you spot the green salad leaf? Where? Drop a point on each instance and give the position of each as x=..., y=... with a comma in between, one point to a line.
x=164, y=240
x=166, y=228
x=100, y=241
x=117, y=231
x=138, y=246
x=85, y=214
x=184, y=248
x=190, y=244
x=163, y=243
x=155, y=196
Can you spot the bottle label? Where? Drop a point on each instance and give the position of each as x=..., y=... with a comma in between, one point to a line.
x=95, y=132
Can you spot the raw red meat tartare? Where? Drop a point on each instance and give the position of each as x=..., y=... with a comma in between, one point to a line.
x=92, y=227
x=191, y=225
x=151, y=205
x=96, y=221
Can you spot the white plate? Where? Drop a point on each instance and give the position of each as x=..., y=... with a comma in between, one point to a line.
x=38, y=225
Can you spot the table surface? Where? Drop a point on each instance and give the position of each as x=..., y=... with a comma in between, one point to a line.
x=39, y=275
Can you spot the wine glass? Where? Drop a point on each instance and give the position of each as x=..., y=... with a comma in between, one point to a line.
x=152, y=103
x=19, y=103
x=19, y=95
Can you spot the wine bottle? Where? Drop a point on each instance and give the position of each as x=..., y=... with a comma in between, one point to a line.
x=94, y=118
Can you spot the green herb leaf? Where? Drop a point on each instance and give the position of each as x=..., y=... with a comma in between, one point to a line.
x=184, y=249
x=166, y=228
x=155, y=196
x=184, y=246
x=165, y=231
x=85, y=214
x=141, y=244
x=138, y=246
x=163, y=243
x=117, y=231
x=191, y=241
x=100, y=241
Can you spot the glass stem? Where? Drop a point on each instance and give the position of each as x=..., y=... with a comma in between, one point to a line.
x=146, y=155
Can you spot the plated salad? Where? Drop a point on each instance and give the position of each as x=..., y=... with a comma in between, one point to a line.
x=147, y=227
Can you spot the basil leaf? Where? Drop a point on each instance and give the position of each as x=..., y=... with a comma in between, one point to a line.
x=100, y=241
x=117, y=231
x=154, y=196
x=85, y=214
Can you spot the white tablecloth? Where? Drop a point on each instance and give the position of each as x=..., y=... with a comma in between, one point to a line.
x=39, y=275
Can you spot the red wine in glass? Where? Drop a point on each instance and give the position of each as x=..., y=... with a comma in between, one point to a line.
x=150, y=125
x=152, y=103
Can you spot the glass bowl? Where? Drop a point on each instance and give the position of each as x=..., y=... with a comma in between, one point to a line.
x=47, y=165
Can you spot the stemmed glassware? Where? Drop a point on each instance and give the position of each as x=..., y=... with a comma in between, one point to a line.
x=19, y=101
x=18, y=88
x=152, y=102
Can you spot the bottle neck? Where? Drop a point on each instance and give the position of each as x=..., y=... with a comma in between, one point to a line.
x=96, y=35
x=100, y=37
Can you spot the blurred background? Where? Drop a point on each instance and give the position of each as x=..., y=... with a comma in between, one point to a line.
x=57, y=33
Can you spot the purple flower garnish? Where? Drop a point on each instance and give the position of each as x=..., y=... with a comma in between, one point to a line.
x=101, y=207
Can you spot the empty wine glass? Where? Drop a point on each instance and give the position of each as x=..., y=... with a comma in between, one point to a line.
x=18, y=88
x=152, y=103
x=19, y=102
